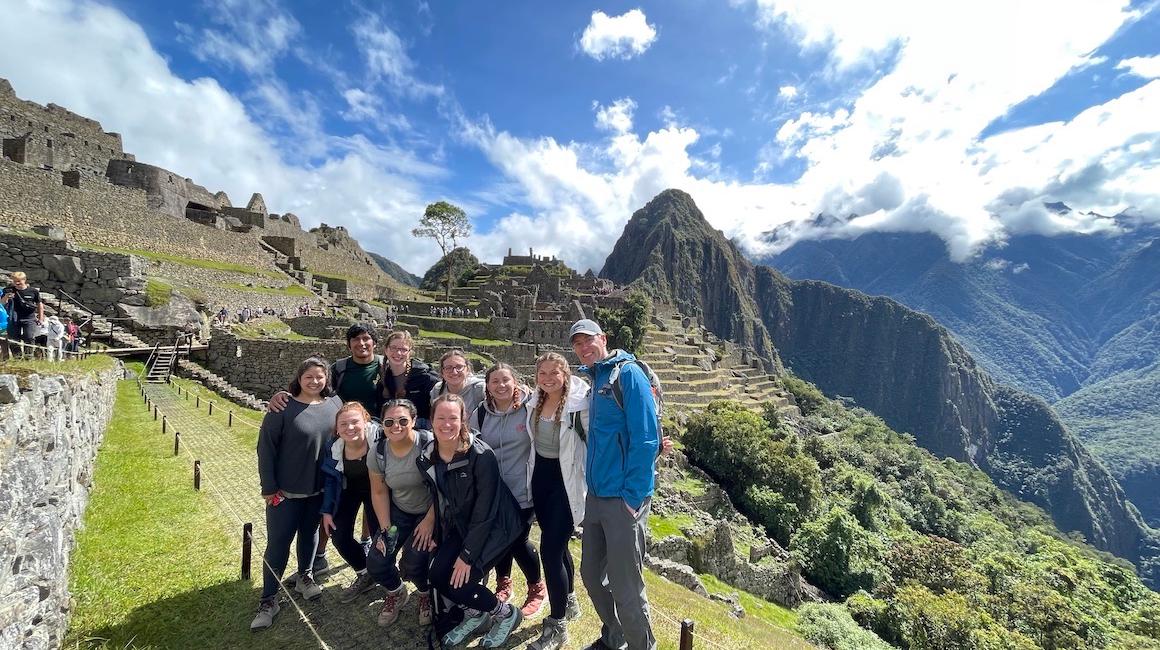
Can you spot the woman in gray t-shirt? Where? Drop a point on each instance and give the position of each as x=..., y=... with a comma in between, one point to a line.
x=402, y=499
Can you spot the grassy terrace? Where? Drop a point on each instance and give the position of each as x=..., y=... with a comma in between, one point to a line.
x=189, y=261
x=157, y=563
x=269, y=329
x=25, y=367
x=429, y=334
x=293, y=290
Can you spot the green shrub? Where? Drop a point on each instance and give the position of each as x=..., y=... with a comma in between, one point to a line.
x=157, y=293
x=830, y=626
x=837, y=554
x=808, y=397
x=626, y=326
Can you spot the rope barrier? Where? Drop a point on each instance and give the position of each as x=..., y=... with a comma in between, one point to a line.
x=205, y=480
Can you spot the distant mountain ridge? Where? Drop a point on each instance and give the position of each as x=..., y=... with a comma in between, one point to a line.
x=1074, y=319
x=897, y=362
x=395, y=271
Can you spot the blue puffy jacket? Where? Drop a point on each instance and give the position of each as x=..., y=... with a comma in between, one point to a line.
x=622, y=443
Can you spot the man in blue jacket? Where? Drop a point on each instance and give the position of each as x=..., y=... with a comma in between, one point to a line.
x=622, y=450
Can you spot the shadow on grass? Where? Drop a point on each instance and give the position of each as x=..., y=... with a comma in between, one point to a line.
x=219, y=617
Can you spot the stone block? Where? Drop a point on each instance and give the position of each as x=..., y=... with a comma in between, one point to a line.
x=9, y=389
x=64, y=268
x=52, y=232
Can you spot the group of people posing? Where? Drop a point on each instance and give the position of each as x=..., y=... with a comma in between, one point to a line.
x=451, y=471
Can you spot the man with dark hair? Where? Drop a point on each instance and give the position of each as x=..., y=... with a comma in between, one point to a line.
x=623, y=440
x=27, y=313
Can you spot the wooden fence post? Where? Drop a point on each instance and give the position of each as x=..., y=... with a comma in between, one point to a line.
x=198, y=404
x=197, y=474
x=176, y=442
x=164, y=425
x=230, y=423
x=154, y=412
x=687, y=634
x=247, y=550
x=211, y=407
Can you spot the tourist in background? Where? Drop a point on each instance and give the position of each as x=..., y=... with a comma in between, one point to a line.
x=402, y=499
x=458, y=378
x=478, y=521
x=347, y=488
x=26, y=309
x=558, y=421
x=502, y=421
x=405, y=377
x=290, y=445
x=55, y=343
x=623, y=442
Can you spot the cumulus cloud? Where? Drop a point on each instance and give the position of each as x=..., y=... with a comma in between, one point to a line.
x=198, y=129
x=617, y=116
x=1147, y=67
x=787, y=93
x=617, y=37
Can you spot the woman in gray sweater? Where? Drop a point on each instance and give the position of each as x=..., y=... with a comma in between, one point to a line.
x=290, y=445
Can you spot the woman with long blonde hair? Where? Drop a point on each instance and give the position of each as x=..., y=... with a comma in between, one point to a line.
x=558, y=424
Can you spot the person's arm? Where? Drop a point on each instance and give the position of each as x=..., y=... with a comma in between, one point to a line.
x=269, y=439
x=278, y=401
x=381, y=499
x=487, y=486
x=39, y=308
x=642, y=436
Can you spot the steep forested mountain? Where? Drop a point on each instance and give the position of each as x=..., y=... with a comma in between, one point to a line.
x=1072, y=319
x=395, y=271
x=892, y=360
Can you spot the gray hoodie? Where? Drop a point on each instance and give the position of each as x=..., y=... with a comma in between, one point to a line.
x=472, y=393
x=506, y=432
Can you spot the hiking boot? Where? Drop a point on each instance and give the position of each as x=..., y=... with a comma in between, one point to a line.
x=572, y=609
x=503, y=588
x=534, y=604
x=362, y=582
x=321, y=565
x=308, y=587
x=553, y=636
x=267, y=610
x=425, y=615
x=466, y=628
x=502, y=628
x=392, y=604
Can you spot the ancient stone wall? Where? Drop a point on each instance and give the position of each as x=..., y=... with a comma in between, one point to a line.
x=322, y=327
x=476, y=329
x=262, y=367
x=56, y=136
x=103, y=214
x=165, y=191
x=97, y=280
x=50, y=428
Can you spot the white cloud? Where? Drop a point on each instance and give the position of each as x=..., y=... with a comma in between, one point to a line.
x=196, y=128
x=617, y=37
x=617, y=116
x=1142, y=66
x=247, y=34
x=362, y=105
x=387, y=60
x=787, y=93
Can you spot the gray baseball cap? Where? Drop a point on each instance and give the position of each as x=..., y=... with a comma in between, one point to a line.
x=584, y=326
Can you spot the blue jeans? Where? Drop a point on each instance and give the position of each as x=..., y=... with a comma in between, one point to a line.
x=292, y=517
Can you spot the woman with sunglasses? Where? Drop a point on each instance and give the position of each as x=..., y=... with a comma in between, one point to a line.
x=347, y=488
x=401, y=499
x=404, y=377
x=458, y=378
x=478, y=521
x=290, y=446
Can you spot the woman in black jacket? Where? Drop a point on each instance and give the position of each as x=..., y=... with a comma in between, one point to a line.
x=404, y=377
x=478, y=521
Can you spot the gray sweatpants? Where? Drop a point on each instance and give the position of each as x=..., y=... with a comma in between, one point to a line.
x=612, y=565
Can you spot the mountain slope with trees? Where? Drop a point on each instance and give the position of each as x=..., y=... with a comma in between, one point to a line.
x=1072, y=319
x=896, y=362
x=395, y=271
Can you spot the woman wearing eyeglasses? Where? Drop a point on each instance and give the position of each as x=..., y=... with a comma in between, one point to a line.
x=347, y=488
x=401, y=498
x=405, y=377
x=458, y=379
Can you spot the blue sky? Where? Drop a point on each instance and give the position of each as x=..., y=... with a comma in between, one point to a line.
x=552, y=122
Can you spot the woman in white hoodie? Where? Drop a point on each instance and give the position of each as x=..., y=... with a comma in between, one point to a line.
x=558, y=424
x=55, y=330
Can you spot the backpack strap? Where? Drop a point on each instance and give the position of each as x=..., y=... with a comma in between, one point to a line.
x=578, y=426
x=339, y=371
x=480, y=413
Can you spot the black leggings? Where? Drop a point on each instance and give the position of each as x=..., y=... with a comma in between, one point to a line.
x=472, y=594
x=554, y=513
x=290, y=518
x=523, y=552
x=343, y=536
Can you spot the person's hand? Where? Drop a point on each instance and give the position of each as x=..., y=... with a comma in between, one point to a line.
x=460, y=573
x=666, y=445
x=273, y=499
x=423, y=534
x=630, y=510
x=328, y=522
x=278, y=402
x=381, y=543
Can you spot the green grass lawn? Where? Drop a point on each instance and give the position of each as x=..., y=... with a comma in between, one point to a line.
x=293, y=290
x=660, y=527
x=157, y=293
x=24, y=367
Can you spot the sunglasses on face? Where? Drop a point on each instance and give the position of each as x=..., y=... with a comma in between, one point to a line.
x=389, y=423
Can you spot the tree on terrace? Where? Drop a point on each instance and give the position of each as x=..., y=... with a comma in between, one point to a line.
x=446, y=223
